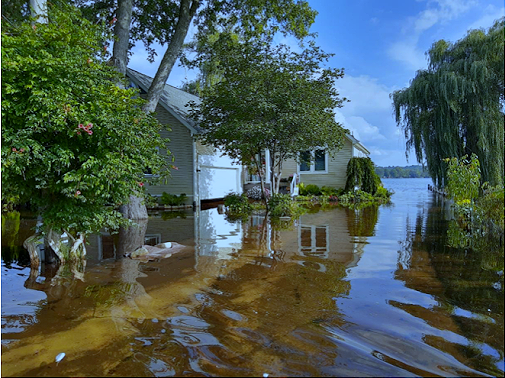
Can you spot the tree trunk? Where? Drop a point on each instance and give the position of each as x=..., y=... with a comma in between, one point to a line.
x=39, y=9
x=186, y=12
x=135, y=209
x=131, y=238
x=122, y=34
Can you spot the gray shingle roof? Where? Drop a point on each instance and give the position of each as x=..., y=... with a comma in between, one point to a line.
x=174, y=100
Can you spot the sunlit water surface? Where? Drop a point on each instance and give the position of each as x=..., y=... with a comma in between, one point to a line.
x=374, y=292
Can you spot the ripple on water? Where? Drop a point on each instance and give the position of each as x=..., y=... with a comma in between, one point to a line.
x=232, y=315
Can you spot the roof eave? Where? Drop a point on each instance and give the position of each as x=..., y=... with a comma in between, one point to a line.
x=164, y=105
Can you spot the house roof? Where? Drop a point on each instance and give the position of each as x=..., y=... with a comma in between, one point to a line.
x=356, y=143
x=173, y=99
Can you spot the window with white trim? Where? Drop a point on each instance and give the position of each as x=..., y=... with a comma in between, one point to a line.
x=314, y=161
x=313, y=240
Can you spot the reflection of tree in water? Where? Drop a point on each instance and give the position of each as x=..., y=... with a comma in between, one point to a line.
x=362, y=222
x=460, y=280
x=130, y=290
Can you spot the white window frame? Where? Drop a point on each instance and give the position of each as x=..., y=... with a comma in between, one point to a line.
x=313, y=249
x=312, y=165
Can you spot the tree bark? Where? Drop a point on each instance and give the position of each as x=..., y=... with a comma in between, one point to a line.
x=186, y=12
x=134, y=209
x=122, y=34
x=39, y=9
x=131, y=238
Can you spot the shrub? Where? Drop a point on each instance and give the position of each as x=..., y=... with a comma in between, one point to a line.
x=166, y=215
x=490, y=206
x=361, y=173
x=309, y=190
x=282, y=205
x=383, y=193
x=329, y=191
x=237, y=203
x=151, y=201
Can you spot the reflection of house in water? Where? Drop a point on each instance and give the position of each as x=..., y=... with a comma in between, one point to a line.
x=324, y=235
x=311, y=239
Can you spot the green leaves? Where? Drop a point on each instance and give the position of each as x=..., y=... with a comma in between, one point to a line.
x=86, y=142
x=455, y=107
x=463, y=178
x=271, y=99
x=361, y=173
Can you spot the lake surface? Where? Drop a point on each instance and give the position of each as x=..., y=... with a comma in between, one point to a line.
x=338, y=292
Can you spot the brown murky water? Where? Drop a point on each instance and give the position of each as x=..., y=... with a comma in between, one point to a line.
x=375, y=292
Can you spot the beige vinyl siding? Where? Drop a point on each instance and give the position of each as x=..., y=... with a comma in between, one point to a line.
x=289, y=167
x=336, y=170
x=181, y=147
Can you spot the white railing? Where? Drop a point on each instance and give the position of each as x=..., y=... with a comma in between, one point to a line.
x=293, y=189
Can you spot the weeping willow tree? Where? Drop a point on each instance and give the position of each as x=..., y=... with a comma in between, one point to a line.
x=361, y=173
x=455, y=107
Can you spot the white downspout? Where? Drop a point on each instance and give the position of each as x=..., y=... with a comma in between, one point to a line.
x=267, y=169
x=196, y=177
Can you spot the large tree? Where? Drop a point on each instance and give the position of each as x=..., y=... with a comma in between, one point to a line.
x=455, y=107
x=74, y=144
x=271, y=99
x=167, y=23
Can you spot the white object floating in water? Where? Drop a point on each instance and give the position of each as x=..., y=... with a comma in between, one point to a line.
x=164, y=245
x=265, y=375
x=59, y=357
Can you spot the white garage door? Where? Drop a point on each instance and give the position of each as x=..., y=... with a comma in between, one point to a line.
x=216, y=182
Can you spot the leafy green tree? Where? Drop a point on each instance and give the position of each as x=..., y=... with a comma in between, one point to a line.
x=74, y=144
x=271, y=99
x=361, y=174
x=463, y=178
x=168, y=22
x=455, y=107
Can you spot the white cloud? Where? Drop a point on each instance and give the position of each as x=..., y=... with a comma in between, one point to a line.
x=366, y=95
x=363, y=130
x=369, y=118
x=406, y=49
x=408, y=53
x=491, y=14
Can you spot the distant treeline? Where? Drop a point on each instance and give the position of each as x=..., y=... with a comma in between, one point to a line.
x=413, y=171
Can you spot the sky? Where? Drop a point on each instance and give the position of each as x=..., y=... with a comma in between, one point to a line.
x=381, y=45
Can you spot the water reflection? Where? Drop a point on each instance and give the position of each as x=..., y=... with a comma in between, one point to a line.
x=341, y=292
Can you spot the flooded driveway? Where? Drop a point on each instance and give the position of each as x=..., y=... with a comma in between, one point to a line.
x=338, y=292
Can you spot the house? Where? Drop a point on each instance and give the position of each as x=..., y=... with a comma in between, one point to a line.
x=202, y=173
x=323, y=170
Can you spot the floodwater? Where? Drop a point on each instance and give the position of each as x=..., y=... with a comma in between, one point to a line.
x=338, y=292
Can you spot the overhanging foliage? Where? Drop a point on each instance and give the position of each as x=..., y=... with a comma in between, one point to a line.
x=74, y=144
x=455, y=107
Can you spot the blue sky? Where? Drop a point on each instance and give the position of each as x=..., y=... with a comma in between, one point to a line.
x=381, y=44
